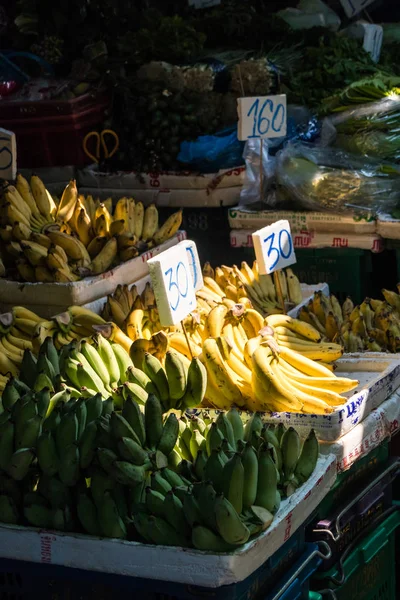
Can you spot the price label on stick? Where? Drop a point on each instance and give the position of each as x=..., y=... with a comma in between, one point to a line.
x=194, y=263
x=8, y=155
x=353, y=7
x=263, y=117
x=273, y=246
x=172, y=283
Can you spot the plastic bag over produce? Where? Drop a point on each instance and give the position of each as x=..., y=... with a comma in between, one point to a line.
x=329, y=179
x=371, y=129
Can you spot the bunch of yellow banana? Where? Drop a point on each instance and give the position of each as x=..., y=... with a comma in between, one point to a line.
x=16, y=330
x=246, y=286
x=238, y=374
x=372, y=326
x=78, y=237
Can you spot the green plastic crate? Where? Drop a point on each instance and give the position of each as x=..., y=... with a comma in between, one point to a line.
x=369, y=571
x=360, y=471
x=348, y=272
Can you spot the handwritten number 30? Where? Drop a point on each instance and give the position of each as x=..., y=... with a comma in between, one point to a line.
x=176, y=287
x=278, y=252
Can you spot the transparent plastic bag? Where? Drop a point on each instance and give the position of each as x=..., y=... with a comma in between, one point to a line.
x=328, y=179
x=310, y=13
x=370, y=129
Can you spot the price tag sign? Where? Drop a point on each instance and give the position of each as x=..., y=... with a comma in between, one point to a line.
x=263, y=117
x=373, y=38
x=8, y=155
x=273, y=246
x=172, y=283
x=353, y=7
x=194, y=263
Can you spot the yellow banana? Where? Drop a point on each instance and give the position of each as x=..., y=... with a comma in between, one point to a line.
x=84, y=227
x=150, y=222
x=103, y=261
x=168, y=228
x=300, y=327
x=66, y=207
x=71, y=245
x=303, y=364
x=25, y=191
x=43, y=199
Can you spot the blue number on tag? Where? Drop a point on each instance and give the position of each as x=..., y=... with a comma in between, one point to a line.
x=254, y=107
x=272, y=249
x=194, y=266
x=279, y=251
x=176, y=285
x=279, y=108
x=261, y=129
x=261, y=118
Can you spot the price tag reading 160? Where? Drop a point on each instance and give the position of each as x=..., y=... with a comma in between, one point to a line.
x=173, y=286
x=273, y=246
x=263, y=117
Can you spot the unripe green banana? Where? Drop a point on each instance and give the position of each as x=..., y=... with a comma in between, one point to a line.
x=110, y=521
x=154, y=370
x=254, y=424
x=94, y=406
x=71, y=371
x=108, y=357
x=52, y=422
x=107, y=459
x=142, y=525
x=20, y=462
x=10, y=395
x=174, y=479
x=87, y=377
x=46, y=452
x=39, y=516
x=43, y=402
x=225, y=427
x=108, y=406
x=8, y=510
x=44, y=366
x=205, y=495
x=159, y=483
x=230, y=527
x=197, y=442
x=279, y=431
x=214, y=438
x=58, y=399
x=55, y=492
x=308, y=458
x=153, y=421
x=235, y=420
x=250, y=466
x=23, y=410
x=200, y=463
x=28, y=368
x=267, y=480
x=138, y=376
x=176, y=376
x=132, y=451
x=87, y=445
x=69, y=470
x=134, y=391
x=290, y=446
x=192, y=510
x=174, y=460
x=174, y=515
x=100, y=482
x=66, y=432
x=154, y=502
x=127, y=473
x=43, y=381
x=28, y=436
x=162, y=533
x=205, y=539
x=51, y=353
x=233, y=482
x=93, y=358
x=196, y=385
x=213, y=470
x=169, y=435
x=120, y=497
x=124, y=361
x=87, y=514
x=120, y=428
x=132, y=413
x=6, y=444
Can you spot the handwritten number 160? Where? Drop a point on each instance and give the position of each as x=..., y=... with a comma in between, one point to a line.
x=176, y=287
x=262, y=124
x=278, y=252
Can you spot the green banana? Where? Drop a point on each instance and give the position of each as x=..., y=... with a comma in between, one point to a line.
x=250, y=466
x=196, y=385
x=51, y=353
x=137, y=376
x=94, y=406
x=46, y=452
x=197, y=442
x=28, y=368
x=169, y=435
x=154, y=502
x=135, y=391
x=93, y=358
x=120, y=428
x=10, y=394
x=6, y=444
x=235, y=420
x=132, y=451
x=110, y=521
x=163, y=533
x=254, y=424
x=173, y=478
x=107, y=355
x=205, y=539
x=230, y=527
x=233, y=482
x=200, y=463
x=308, y=458
x=66, y=432
x=191, y=510
x=87, y=445
x=43, y=381
x=153, y=421
x=290, y=446
x=213, y=470
x=20, y=462
x=205, y=494
x=159, y=483
x=132, y=413
x=44, y=366
x=267, y=480
x=69, y=470
x=107, y=459
x=154, y=370
x=214, y=438
x=225, y=427
x=176, y=376
x=9, y=513
x=27, y=437
x=124, y=361
x=87, y=377
x=127, y=473
x=39, y=516
x=43, y=402
x=87, y=514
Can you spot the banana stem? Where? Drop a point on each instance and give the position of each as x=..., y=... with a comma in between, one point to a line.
x=279, y=293
x=187, y=339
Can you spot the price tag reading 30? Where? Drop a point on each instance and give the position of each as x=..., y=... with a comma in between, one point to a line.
x=173, y=287
x=264, y=117
x=273, y=246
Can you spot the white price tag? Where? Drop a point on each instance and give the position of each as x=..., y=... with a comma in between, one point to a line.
x=8, y=155
x=353, y=7
x=263, y=117
x=274, y=248
x=373, y=38
x=173, y=287
x=194, y=263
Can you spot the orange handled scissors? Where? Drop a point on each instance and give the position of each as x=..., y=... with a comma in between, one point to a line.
x=100, y=144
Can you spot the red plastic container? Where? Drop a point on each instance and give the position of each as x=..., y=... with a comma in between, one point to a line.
x=50, y=133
